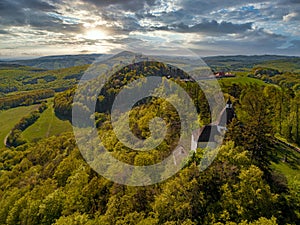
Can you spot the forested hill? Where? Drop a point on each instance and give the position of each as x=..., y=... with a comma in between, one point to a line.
x=58, y=62
x=215, y=62
x=44, y=179
x=229, y=63
x=16, y=78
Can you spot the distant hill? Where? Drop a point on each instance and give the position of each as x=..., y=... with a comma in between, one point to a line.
x=283, y=65
x=218, y=63
x=16, y=77
x=229, y=63
x=13, y=66
x=57, y=62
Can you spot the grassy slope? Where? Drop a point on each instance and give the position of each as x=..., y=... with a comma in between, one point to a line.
x=290, y=168
x=47, y=125
x=9, y=118
x=241, y=80
x=291, y=65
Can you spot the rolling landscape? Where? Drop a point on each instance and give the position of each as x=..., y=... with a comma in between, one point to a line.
x=45, y=180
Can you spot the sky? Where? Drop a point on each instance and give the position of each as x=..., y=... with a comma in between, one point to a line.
x=32, y=28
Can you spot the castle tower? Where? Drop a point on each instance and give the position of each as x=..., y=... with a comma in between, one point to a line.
x=229, y=104
x=229, y=112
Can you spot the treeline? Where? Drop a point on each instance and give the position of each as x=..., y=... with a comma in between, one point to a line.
x=63, y=101
x=275, y=108
x=283, y=107
x=273, y=76
x=50, y=183
x=19, y=78
x=280, y=104
x=25, y=98
x=130, y=73
x=14, y=138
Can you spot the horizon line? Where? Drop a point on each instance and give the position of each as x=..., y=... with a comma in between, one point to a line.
x=21, y=58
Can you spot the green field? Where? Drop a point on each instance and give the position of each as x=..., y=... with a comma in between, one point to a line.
x=291, y=65
x=47, y=125
x=290, y=167
x=8, y=119
x=241, y=80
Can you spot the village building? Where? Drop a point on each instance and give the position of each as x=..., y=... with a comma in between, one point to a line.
x=210, y=134
x=224, y=75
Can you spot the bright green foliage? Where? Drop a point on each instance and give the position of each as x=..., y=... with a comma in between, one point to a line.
x=19, y=78
x=74, y=219
x=9, y=118
x=51, y=207
x=63, y=103
x=14, y=138
x=48, y=182
x=182, y=198
x=249, y=198
x=257, y=120
x=25, y=98
x=47, y=125
x=260, y=221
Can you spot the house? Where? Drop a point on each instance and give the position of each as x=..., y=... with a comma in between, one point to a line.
x=210, y=134
x=207, y=136
x=219, y=74
x=229, y=75
x=224, y=75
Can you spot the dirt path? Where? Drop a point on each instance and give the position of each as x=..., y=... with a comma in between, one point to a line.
x=50, y=124
x=5, y=139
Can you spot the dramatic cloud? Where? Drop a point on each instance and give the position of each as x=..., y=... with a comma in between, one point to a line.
x=4, y=32
x=291, y=16
x=16, y=12
x=210, y=27
x=130, y=5
x=220, y=27
x=34, y=13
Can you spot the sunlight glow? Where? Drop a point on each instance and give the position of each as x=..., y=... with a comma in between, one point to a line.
x=95, y=34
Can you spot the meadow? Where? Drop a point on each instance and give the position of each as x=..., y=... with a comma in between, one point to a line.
x=9, y=118
x=47, y=125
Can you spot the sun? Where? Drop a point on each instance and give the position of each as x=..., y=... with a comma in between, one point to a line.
x=95, y=34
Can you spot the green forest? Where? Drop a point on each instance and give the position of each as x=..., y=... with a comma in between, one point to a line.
x=254, y=179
